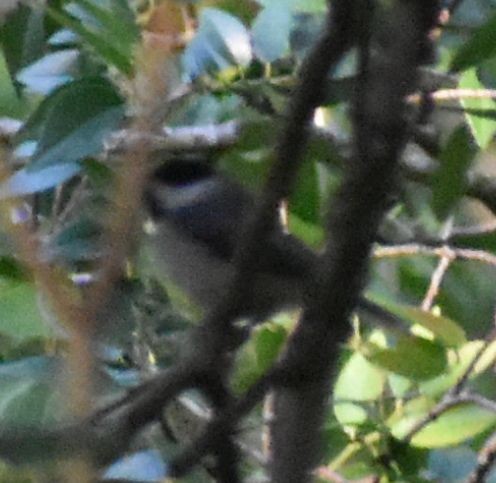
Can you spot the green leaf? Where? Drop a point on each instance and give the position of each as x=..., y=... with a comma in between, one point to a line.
x=453, y=426
x=450, y=180
x=222, y=41
x=113, y=42
x=78, y=241
x=444, y=329
x=412, y=357
x=459, y=361
x=302, y=6
x=13, y=474
x=305, y=200
x=484, y=241
x=49, y=72
x=26, y=181
x=23, y=37
x=258, y=355
x=10, y=103
x=312, y=234
x=28, y=391
x=268, y=342
x=481, y=46
x=360, y=381
x=20, y=317
x=116, y=21
x=482, y=128
x=81, y=115
x=11, y=269
x=271, y=31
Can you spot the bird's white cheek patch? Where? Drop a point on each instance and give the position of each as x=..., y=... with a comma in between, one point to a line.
x=149, y=227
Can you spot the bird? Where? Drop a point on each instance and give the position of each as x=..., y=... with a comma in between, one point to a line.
x=199, y=216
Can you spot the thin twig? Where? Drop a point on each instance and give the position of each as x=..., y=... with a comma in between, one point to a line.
x=455, y=94
x=462, y=381
x=437, y=278
x=485, y=462
x=457, y=394
x=412, y=249
x=448, y=402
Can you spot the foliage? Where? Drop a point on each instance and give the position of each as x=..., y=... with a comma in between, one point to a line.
x=70, y=73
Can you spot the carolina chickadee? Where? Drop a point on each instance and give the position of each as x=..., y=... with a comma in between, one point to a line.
x=198, y=216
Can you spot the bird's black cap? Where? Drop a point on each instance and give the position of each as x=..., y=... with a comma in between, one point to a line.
x=181, y=172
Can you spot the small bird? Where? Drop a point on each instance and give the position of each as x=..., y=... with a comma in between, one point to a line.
x=199, y=217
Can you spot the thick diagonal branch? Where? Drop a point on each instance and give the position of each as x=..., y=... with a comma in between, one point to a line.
x=380, y=135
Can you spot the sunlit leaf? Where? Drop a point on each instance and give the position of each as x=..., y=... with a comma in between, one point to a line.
x=19, y=311
x=304, y=6
x=452, y=427
x=360, y=381
x=446, y=330
x=412, y=357
x=459, y=361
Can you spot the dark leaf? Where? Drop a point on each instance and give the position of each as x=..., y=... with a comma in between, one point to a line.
x=450, y=180
x=81, y=115
x=11, y=269
x=22, y=37
x=115, y=51
x=481, y=46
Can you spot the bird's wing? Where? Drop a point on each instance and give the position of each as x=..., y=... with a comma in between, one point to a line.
x=286, y=256
x=216, y=222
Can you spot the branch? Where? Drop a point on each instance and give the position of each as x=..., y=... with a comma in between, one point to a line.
x=485, y=462
x=216, y=331
x=380, y=136
x=457, y=395
x=412, y=249
x=449, y=401
x=183, y=138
